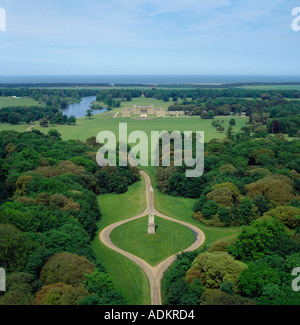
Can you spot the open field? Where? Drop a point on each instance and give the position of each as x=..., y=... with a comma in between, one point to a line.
x=128, y=278
x=10, y=101
x=86, y=128
x=18, y=128
x=169, y=239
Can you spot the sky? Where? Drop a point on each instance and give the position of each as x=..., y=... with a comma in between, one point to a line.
x=93, y=37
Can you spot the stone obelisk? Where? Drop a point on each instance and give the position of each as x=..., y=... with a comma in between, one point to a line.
x=151, y=224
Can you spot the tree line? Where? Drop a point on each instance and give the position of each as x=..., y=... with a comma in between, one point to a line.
x=27, y=114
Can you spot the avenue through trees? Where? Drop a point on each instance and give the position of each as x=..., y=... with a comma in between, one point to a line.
x=155, y=273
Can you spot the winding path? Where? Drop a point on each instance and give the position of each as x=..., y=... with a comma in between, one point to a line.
x=155, y=273
x=31, y=127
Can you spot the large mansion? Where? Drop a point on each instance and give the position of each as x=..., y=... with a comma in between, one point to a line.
x=148, y=111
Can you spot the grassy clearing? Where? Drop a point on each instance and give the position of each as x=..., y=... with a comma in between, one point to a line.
x=117, y=207
x=86, y=128
x=128, y=278
x=10, y=101
x=169, y=239
x=18, y=128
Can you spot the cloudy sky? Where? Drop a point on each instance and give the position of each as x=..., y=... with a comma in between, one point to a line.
x=82, y=37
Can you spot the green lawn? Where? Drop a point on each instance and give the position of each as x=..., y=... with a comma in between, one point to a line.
x=18, y=128
x=128, y=278
x=117, y=207
x=86, y=128
x=169, y=239
x=9, y=102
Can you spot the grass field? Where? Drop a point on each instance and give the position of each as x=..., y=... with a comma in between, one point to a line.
x=128, y=278
x=9, y=101
x=86, y=128
x=169, y=239
x=18, y=128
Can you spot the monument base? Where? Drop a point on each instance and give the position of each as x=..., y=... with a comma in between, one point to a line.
x=151, y=229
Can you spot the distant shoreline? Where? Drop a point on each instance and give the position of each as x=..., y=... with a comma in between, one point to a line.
x=146, y=80
x=143, y=85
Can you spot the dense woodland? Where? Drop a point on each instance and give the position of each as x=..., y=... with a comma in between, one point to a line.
x=250, y=183
x=26, y=114
x=48, y=217
x=251, y=180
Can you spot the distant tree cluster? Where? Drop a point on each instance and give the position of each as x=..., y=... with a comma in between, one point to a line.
x=114, y=97
x=260, y=109
x=57, y=97
x=27, y=114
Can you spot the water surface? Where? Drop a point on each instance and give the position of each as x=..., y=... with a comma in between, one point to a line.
x=79, y=109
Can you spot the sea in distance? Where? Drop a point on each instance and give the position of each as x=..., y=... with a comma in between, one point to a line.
x=151, y=79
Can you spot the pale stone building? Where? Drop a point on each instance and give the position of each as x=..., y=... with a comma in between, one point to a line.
x=146, y=111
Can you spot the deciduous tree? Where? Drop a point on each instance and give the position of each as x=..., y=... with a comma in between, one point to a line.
x=66, y=268
x=212, y=269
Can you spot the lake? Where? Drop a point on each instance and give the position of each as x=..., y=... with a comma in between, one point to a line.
x=79, y=109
